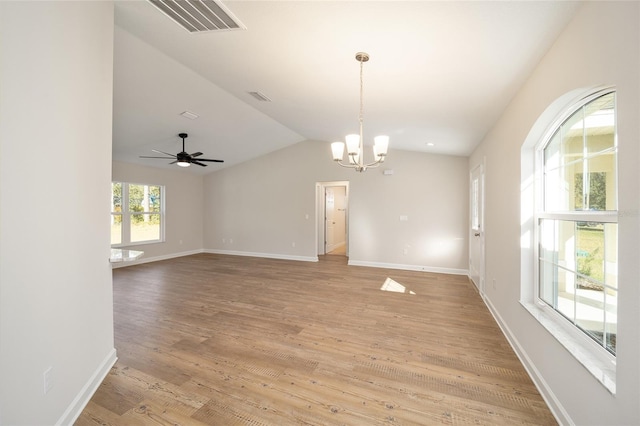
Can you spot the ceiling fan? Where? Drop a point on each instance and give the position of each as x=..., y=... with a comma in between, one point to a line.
x=182, y=158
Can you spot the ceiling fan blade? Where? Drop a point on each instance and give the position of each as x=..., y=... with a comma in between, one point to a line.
x=207, y=159
x=162, y=152
x=173, y=162
x=196, y=154
x=165, y=158
x=198, y=163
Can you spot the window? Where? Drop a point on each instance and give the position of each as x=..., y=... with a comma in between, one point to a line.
x=475, y=204
x=576, y=219
x=137, y=213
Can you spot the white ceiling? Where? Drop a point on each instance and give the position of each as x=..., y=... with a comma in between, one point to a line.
x=440, y=73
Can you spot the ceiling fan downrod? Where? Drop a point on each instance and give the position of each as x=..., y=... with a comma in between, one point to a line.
x=183, y=136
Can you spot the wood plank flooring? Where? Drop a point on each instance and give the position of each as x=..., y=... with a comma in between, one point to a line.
x=230, y=340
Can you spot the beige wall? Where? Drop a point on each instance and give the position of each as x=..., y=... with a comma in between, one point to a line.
x=56, y=302
x=183, y=207
x=268, y=207
x=600, y=46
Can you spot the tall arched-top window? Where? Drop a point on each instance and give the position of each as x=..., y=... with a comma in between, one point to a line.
x=577, y=217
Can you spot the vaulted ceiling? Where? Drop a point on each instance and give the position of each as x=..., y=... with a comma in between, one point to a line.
x=439, y=76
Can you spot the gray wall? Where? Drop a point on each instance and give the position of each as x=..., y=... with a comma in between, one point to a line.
x=267, y=206
x=600, y=46
x=56, y=307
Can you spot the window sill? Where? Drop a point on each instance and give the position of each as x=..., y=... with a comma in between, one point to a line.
x=601, y=365
x=140, y=243
x=119, y=255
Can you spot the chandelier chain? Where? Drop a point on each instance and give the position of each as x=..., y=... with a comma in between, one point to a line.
x=360, y=118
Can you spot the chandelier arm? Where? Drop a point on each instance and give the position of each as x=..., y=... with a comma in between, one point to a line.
x=374, y=164
x=348, y=166
x=356, y=167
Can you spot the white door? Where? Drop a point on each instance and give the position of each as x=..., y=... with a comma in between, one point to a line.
x=339, y=220
x=476, y=227
x=329, y=213
x=335, y=219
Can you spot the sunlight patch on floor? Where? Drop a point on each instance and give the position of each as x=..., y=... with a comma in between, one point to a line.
x=394, y=286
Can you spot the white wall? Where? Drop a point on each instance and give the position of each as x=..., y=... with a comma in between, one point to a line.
x=183, y=207
x=55, y=138
x=600, y=46
x=262, y=205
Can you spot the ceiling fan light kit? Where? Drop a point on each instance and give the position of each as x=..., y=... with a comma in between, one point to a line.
x=355, y=141
x=183, y=159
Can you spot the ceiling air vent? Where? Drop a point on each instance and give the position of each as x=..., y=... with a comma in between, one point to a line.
x=190, y=115
x=260, y=96
x=198, y=16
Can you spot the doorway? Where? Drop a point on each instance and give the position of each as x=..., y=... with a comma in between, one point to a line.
x=333, y=218
x=476, y=227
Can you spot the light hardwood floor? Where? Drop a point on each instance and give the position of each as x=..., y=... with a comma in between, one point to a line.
x=231, y=340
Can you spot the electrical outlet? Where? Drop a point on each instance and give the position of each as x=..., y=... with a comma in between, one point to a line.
x=47, y=379
x=494, y=283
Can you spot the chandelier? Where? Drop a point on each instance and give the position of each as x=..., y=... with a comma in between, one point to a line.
x=355, y=142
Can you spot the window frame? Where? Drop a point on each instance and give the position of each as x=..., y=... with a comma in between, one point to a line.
x=604, y=216
x=126, y=215
x=592, y=356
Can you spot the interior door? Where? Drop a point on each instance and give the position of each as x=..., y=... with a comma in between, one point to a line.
x=329, y=213
x=339, y=220
x=476, y=231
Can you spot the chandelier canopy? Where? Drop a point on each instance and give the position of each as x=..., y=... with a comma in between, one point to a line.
x=355, y=142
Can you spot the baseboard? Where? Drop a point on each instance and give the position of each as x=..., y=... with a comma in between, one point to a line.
x=82, y=399
x=420, y=268
x=264, y=255
x=558, y=411
x=155, y=258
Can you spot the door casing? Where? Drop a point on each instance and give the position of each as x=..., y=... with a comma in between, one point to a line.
x=320, y=214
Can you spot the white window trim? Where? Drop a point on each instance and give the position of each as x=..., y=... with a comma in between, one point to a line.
x=126, y=224
x=596, y=359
